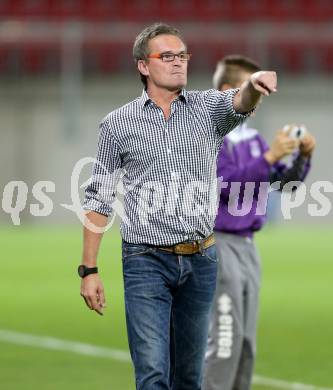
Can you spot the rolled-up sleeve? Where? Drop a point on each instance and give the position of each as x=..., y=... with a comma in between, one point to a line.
x=221, y=109
x=101, y=192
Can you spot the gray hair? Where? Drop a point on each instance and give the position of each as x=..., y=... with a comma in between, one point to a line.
x=140, y=47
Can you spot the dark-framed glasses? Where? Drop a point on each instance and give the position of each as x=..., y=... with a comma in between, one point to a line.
x=169, y=57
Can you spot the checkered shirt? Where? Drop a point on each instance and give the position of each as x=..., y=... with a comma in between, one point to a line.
x=166, y=167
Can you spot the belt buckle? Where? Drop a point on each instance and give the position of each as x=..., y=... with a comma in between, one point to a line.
x=197, y=246
x=185, y=248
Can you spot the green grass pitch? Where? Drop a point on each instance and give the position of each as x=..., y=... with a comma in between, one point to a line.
x=40, y=295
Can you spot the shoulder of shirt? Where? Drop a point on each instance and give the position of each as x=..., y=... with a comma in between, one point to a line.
x=118, y=114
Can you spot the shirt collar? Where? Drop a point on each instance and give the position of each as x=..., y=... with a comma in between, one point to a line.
x=144, y=99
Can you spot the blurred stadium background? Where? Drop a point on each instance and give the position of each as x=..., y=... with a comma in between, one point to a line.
x=63, y=66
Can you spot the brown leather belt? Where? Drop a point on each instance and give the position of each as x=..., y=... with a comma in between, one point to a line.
x=190, y=248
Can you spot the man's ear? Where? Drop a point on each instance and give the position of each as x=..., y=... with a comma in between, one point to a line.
x=142, y=67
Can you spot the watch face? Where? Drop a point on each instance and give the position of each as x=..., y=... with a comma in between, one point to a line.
x=81, y=270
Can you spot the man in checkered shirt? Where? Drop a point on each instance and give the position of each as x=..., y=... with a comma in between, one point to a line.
x=164, y=144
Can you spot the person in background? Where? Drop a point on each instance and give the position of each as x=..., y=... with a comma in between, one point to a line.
x=244, y=157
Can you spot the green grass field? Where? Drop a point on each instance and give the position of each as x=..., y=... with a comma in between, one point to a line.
x=40, y=296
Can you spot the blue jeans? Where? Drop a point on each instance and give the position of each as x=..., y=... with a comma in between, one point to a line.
x=168, y=300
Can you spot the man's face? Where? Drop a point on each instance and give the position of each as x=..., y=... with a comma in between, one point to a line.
x=169, y=75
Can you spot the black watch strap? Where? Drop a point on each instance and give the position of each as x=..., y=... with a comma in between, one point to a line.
x=84, y=271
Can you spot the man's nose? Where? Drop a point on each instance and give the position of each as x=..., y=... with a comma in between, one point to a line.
x=177, y=61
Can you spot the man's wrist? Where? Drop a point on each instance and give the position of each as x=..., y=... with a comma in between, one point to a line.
x=84, y=271
x=248, y=97
x=89, y=264
x=89, y=260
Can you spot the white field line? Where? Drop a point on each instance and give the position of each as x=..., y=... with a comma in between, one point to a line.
x=63, y=345
x=280, y=384
x=52, y=343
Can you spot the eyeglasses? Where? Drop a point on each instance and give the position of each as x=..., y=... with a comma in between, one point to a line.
x=169, y=57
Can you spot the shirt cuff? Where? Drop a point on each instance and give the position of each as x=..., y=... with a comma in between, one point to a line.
x=97, y=206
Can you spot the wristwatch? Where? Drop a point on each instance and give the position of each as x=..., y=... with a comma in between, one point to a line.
x=84, y=271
